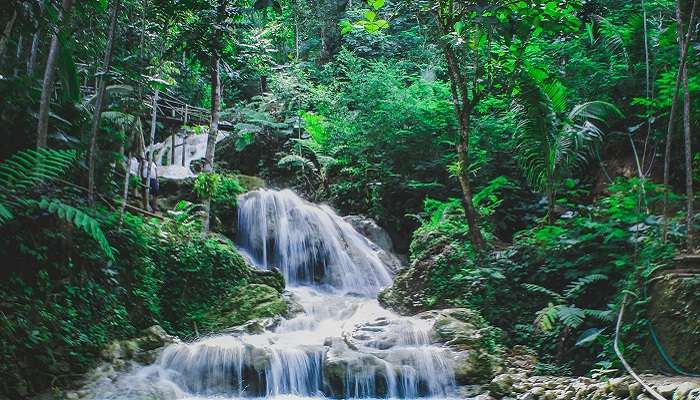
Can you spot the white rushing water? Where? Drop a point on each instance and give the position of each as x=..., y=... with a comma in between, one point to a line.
x=342, y=345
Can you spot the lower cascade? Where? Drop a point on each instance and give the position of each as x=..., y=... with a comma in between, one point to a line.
x=339, y=344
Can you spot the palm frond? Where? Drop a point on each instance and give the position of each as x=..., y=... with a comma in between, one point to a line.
x=80, y=220
x=29, y=168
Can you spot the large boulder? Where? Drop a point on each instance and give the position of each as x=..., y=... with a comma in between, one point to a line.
x=379, y=239
x=411, y=291
x=474, y=343
x=372, y=231
x=245, y=303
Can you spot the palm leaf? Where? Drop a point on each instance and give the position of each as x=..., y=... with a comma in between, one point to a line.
x=80, y=220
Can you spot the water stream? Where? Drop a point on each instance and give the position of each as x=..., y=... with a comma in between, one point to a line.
x=341, y=344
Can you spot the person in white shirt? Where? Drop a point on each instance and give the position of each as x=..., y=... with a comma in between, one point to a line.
x=153, y=178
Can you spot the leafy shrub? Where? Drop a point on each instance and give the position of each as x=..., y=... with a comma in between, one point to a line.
x=62, y=300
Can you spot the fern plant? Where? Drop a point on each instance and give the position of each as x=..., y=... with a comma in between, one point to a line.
x=549, y=142
x=562, y=309
x=22, y=173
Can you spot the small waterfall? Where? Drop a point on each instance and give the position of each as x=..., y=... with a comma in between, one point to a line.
x=309, y=244
x=343, y=345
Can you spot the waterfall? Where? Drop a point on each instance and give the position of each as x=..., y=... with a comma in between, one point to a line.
x=343, y=344
x=309, y=244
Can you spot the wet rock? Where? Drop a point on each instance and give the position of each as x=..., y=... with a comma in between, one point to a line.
x=667, y=390
x=379, y=237
x=371, y=230
x=634, y=389
x=694, y=394
x=246, y=303
x=471, y=339
x=502, y=385
x=681, y=393
x=619, y=387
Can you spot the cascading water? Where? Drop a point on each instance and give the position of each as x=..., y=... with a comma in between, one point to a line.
x=343, y=344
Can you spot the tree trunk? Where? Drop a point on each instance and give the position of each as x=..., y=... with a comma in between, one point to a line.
x=6, y=34
x=688, y=164
x=49, y=79
x=463, y=108
x=32, y=54
x=683, y=43
x=213, y=133
x=150, y=154
x=690, y=196
x=138, y=121
x=551, y=199
x=100, y=94
x=465, y=183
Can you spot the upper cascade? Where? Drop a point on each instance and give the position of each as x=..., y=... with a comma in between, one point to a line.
x=310, y=244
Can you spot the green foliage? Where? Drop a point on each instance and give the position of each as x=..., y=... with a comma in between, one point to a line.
x=80, y=220
x=20, y=176
x=549, y=146
x=221, y=188
x=63, y=300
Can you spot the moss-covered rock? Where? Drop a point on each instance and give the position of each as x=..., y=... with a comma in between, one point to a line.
x=674, y=312
x=477, y=353
x=245, y=303
x=413, y=289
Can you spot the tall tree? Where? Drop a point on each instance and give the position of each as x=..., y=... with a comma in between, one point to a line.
x=690, y=195
x=100, y=95
x=215, y=102
x=683, y=45
x=50, y=74
x=472, y=37
x=5, y=35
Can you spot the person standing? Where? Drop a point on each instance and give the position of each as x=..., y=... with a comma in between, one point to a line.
x=153, y=177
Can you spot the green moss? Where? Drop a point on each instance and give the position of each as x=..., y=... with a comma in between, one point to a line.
x=245, y=303
x=250, y=182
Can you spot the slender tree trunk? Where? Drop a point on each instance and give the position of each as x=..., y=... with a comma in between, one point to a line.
x=32, y=54
x=465, y=183
x=683, y=44
x=213, y=133
x=49, y=79
x=215, y=108
x=688, y=164
x=690, y=196
x=151, y=153
x=140, y=105
x=101, y=88
x=18, y=54
x=463, y=108
x=6, y=34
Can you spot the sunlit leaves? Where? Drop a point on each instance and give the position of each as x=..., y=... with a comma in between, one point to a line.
x=370, y=22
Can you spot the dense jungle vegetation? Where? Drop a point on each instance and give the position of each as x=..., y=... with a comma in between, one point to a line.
x=535, y=159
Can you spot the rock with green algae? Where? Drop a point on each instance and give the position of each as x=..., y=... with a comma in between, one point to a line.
x=476, y=352
x=412, y=290
x=245, y=303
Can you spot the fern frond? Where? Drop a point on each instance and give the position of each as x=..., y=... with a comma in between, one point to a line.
x=570, y=316
x=546, y=318
x=80, y=220
x=575, y=288
x=29, y=168
x=600, y=315
x=5, y=214
x=295, y=161
x=543, y=290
